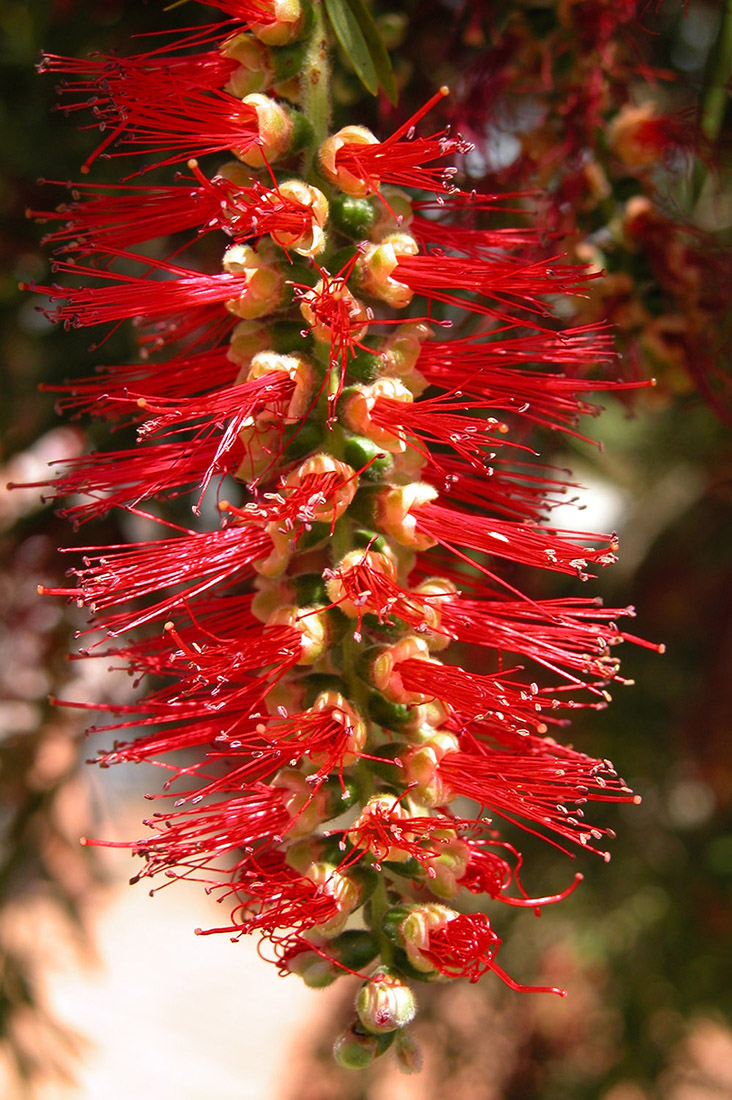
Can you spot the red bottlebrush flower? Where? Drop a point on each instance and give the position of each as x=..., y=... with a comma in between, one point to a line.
x=114, y=575
x=432, y=523
x=354, y=160
x=185, y=843
x=181, y=467
x=107, y=393
x=489, y=873
x=455, y=945
x=105, y=218
x=128, y=296
x=547, y=792
x=465, y=948
x=512, y=284
x=267, y=712
x=273, y=897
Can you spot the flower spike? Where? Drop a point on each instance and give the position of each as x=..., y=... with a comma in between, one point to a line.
x=343, y=390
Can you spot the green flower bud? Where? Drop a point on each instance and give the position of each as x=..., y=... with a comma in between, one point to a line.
x=355, y=1049
x=385, y=1002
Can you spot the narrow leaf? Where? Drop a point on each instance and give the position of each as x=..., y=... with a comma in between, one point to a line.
x=349, y=34
x=377, y=49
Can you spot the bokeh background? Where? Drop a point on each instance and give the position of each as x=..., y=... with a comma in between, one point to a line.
x=105, y=992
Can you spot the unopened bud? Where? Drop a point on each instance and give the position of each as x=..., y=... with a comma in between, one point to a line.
x=385, y=1002
x=356, y=1049
x=353, y=217
x=363, y=454
x=408, y=1053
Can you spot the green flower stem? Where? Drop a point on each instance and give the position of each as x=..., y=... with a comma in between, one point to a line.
x=379, y=907
x=315, y=87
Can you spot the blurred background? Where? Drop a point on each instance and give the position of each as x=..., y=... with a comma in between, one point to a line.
x=619, y=113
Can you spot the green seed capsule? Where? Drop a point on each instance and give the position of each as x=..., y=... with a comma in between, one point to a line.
x=366, y=456
x=352, y=217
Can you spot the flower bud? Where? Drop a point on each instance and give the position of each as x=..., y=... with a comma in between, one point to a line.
x=394, y=513
x=265, y=283
x=377, y=264
x=311, y=239
x=328, y=160
x=357, y=406
x=255, y=72
x=385, y=673
x=276, y=131
x=355, y=1049
x=312, y=624
x=332, y=313
x=385, y=1002
x=363, y=454
x=296, y=368
x=408, y=1053
x=353, y=217
x=287, y=24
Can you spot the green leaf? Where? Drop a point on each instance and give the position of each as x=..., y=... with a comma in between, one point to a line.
x=377, y=49
x=349, y=34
